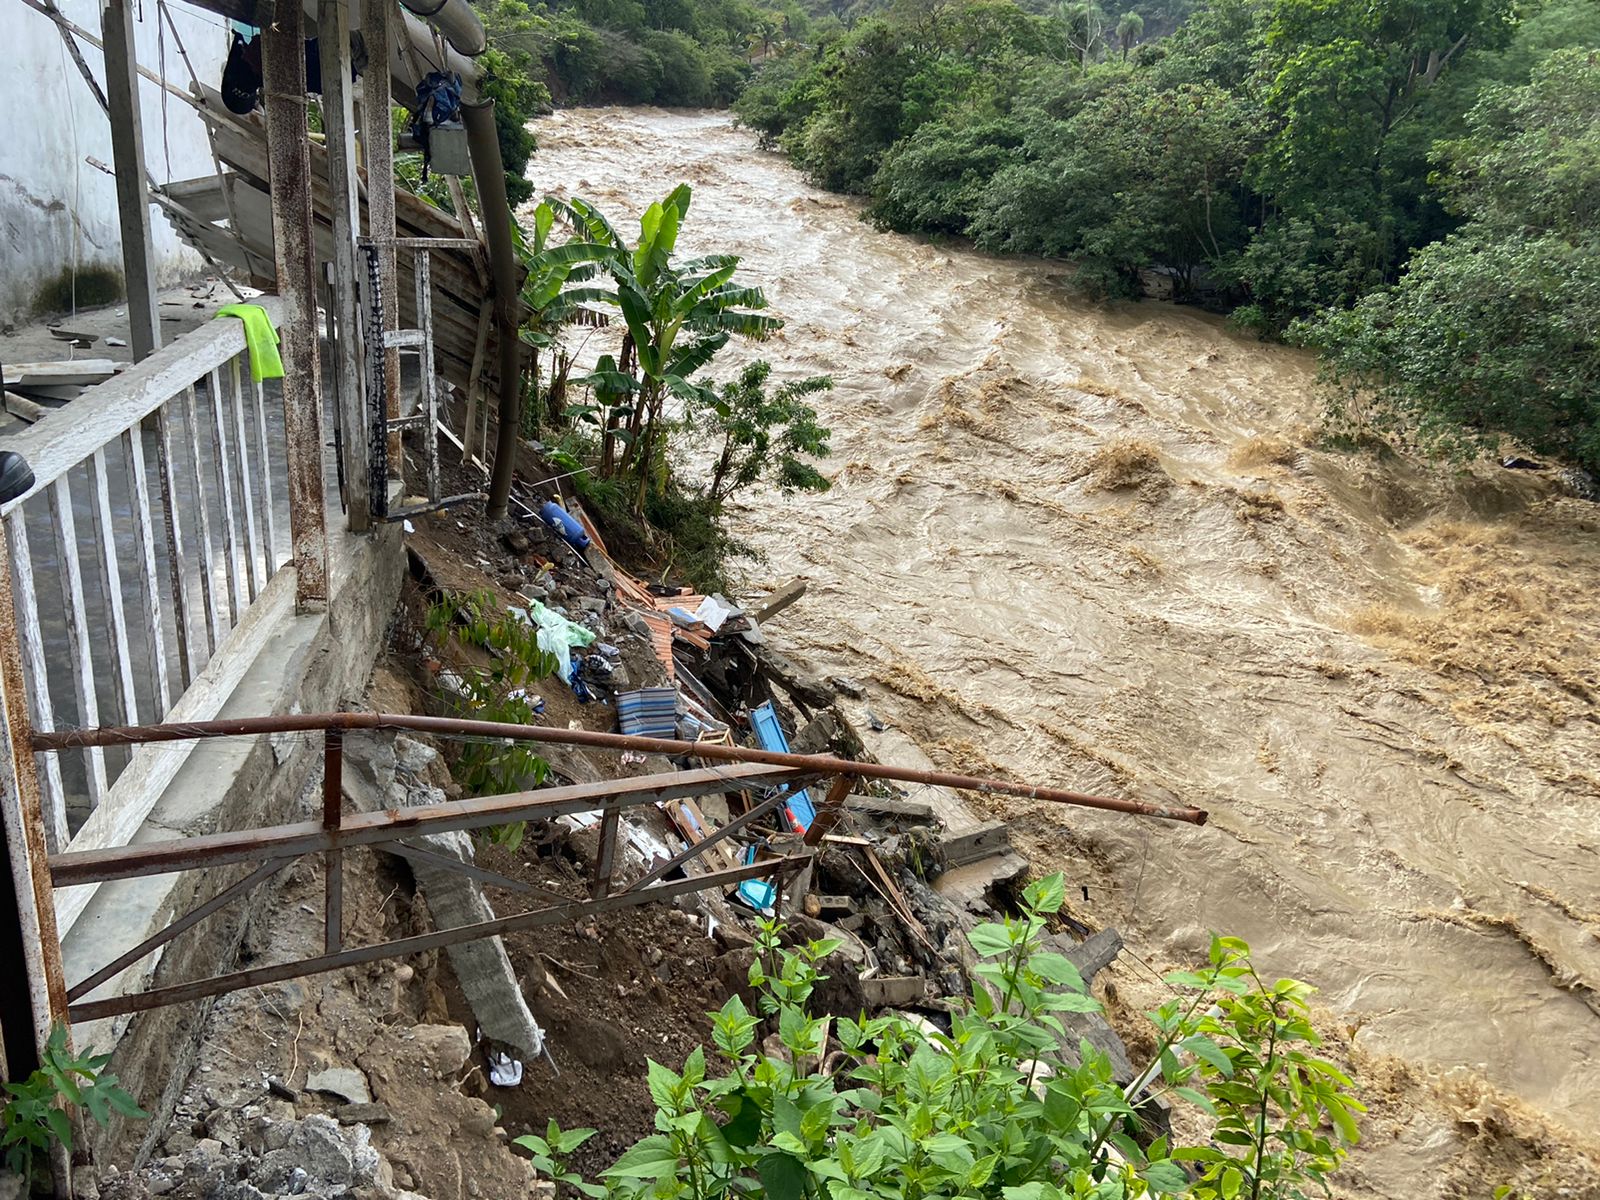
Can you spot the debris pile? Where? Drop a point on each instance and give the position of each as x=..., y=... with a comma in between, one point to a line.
x=898, y=878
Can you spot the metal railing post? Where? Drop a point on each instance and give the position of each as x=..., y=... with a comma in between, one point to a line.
x=40, y=980
x=332, y=816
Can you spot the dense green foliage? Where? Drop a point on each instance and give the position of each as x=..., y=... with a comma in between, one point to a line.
x=36, y=1116
x=673, y=52
x=628, y=430
x=1495, y=329
x=1428, y=163
x=762, y=433
x=1002, y=1107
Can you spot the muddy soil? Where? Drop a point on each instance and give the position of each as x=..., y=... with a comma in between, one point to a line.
x=1103, y=547
x=610, y=994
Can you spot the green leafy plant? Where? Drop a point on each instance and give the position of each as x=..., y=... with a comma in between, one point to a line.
x=1004, y=1106
x=33, y=1119
x=498, y=691
x=766, y=434
x=678, y=315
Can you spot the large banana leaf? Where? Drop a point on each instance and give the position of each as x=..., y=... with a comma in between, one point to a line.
x=691, y=358
x=695, y=289
x=745, y=324
x=636, y=312
x=583, y=216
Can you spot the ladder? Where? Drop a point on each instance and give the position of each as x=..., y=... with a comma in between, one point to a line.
x=417, y=341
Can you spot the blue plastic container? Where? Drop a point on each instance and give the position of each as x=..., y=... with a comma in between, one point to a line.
x=565, y=524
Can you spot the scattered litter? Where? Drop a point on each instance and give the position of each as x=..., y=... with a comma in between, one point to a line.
x=504, y=1071
x=408, y=526
x=632, y=758
x=557, y=635
x=714, y=612
x=115, y=341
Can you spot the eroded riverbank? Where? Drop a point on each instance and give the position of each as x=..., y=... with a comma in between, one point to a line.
x=1380, y=679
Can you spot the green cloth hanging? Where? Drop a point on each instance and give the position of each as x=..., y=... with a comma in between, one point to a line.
x=260, y=337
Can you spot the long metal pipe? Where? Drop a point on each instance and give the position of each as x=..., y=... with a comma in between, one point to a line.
x=127, y=735
x=488, y=171
x=455, y=20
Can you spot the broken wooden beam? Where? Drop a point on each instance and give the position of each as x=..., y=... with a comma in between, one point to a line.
x=895, y=991
x=79, y=373
x=982, y=841
x=24, y=409
x=805, y=688
x=779, y=600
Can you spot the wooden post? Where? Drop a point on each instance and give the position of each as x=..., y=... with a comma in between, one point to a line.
x=831, y=809
x=28, y=876
x=377, y=140
x=127, y=154
x=338, y=125
x=283, y=67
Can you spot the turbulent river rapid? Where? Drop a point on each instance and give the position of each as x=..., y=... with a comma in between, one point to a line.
x=1378, y=676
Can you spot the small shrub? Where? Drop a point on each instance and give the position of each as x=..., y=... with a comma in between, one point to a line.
x=999, y=1108
x=497, y=692
x=33, y=1120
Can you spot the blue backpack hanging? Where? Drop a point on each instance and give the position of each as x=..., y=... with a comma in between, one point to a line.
x=438, y=103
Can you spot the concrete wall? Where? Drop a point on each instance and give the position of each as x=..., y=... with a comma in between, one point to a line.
x=54, y=207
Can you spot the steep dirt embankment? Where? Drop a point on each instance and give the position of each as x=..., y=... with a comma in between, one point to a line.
x=1096, y=546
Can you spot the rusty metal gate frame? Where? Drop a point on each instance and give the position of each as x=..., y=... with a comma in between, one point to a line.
x=273, y=848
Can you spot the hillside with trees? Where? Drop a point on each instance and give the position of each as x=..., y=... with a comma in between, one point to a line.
x=1408, y=188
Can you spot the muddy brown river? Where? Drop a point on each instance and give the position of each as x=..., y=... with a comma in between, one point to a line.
x=1379, y=677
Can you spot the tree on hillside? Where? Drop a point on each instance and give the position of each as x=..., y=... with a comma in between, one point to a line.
x=1129, y=26
x=1495, y=331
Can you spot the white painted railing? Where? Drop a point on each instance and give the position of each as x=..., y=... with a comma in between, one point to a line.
x=174, y=470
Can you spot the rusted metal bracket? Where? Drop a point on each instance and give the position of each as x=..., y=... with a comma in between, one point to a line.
x=558, y=914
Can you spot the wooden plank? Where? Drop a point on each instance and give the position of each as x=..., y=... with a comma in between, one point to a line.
x=25, y=409
x=102, y=413
x=144, y=543
x=224, y=473
x=78, y=372
x=127, y=154
x=344, y=208
x=284, y=85
x=111, y=588
x=30, y=641
x=202, y=509
x=269, y=514
x=377, y=143
x=76, y=617
x=983, y=841
x=430, y=380
x=241, y=467
x=172, y=525
x=141, y=784
x=780, y=599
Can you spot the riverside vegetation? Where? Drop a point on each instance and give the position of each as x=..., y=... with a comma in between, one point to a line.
x=1001, y=1106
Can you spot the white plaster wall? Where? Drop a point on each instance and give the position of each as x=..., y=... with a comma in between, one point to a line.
x=55, y=207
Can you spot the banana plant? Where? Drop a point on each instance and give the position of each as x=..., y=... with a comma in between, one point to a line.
x=551, y=299
x=678, y=315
